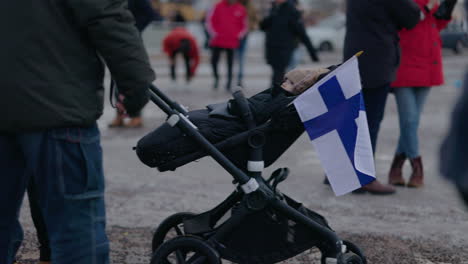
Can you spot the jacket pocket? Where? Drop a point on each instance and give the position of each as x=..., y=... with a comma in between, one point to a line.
x=78, y=162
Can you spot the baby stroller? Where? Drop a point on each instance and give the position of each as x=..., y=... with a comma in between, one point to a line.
x=256, y=223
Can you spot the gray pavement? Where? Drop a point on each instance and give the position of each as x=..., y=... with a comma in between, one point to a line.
x=427, y=225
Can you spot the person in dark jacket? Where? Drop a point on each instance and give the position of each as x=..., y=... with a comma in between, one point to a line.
x=283, y=27
x=144, y=14
x=372, y=27
x=454, y=150
x=52, y=93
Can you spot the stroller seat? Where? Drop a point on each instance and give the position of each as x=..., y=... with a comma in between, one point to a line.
x=167, y=148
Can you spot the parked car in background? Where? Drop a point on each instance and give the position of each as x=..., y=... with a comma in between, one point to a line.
x=454, y=37
x=329, y=33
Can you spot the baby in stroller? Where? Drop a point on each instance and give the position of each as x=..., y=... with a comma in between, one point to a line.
x=244, y=136
x=167, y=148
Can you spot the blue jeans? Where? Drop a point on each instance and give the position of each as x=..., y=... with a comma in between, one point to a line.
x=66, y=165
x=410, y=103
x=375, y=100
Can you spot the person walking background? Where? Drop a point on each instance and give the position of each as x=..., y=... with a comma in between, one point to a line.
x=420, y=68
x=372, y=27
x=454, y=150
x=297, y=53
x=52, y=100
x=283, y=27
x=227, y=24
x=181, y=41
x=242, y=49
x=143, y=13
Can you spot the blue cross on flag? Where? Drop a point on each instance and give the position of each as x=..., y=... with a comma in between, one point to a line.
x=334, y=117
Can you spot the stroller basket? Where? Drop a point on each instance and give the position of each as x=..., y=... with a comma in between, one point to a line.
x=272, y=237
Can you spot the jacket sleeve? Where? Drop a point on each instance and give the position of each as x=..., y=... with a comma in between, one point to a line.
x=244, y=24
x=211, y=21
x=442, y=20
x=265, y=23
x=298, y=26
x=110, y=27
x=405, y=13
x=442, y=23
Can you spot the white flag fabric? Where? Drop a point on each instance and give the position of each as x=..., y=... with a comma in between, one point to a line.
x=334, y=117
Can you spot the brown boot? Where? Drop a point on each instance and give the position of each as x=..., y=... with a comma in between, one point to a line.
x=395, y=176
x=135, y=122
x=417, y=177
x=117, y=122
x=376, y=187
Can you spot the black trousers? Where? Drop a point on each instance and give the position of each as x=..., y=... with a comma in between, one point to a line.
x=278, y=74
x=375, y=100
x=185, y=54
x=215, y=54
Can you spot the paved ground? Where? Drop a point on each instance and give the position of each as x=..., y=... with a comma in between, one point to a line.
x=427, y=225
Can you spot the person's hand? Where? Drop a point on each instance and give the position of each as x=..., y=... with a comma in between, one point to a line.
x=120, y=107
x=133, y=101
x=432, y=3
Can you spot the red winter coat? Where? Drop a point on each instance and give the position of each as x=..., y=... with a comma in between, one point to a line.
x=227, y=24
x=172, y=42
x=421, y=52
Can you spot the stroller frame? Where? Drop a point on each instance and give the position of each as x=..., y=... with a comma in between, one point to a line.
x=253, y=193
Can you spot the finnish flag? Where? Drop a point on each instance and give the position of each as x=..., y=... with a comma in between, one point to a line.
x=334, y=117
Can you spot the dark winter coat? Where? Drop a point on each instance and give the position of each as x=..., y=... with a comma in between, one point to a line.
x=421, y=51
x=372, y=26
x=51, y=61
x=143, y=12
x=283, y=27
x=454, y=151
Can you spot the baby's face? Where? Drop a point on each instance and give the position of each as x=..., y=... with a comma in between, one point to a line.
x=288, y=85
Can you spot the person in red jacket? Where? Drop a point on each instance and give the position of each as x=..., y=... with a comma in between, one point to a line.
x=227, y=23
x=180, y=40
x=420, y=68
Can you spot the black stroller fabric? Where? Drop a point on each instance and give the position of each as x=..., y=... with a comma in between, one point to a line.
x=268, y=237
x=168, y=148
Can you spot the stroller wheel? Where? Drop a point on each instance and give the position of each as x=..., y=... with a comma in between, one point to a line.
x=349, y=258
x=185, y=249
x=169, y=228
x=356, y=250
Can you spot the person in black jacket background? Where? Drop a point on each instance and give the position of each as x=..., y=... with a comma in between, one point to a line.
x=144, y=14
x=454, y=149
x=52, y=95
x=372, y=27
x=283, y=27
